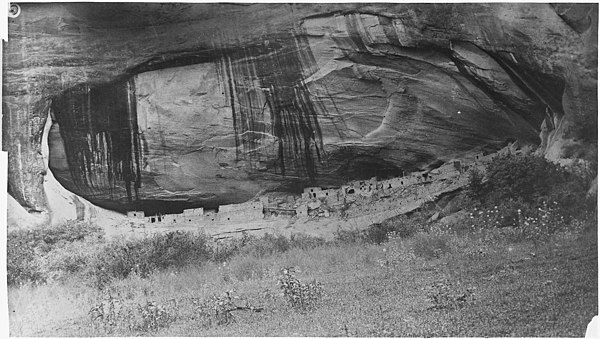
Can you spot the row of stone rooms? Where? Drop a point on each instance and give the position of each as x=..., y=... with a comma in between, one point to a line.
x=234, y=213
x=255, y=210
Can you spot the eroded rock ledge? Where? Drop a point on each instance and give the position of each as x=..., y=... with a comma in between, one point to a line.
x=200, y=105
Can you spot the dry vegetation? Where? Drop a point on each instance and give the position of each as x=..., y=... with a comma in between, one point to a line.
x=514, y=265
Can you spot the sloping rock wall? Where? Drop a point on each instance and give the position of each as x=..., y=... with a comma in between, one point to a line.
x=207, y=104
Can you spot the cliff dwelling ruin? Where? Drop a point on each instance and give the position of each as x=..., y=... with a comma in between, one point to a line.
x=201, y=118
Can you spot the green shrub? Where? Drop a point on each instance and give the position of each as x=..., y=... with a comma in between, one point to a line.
x=519, y=177
x=70, y=232
x=529, y=183
x=113, y=314
x=69, y=260
x=153, y=317
x=27, y=249
x=223, y=250
x=475, y=187
x=217, y=310
x=378, y=233
x=400, y=226
x=52, y=254
x=21, y=266
x=345, y=237
x=174, y=249
x=178, y=249
x=404, y=226
x=300, y=296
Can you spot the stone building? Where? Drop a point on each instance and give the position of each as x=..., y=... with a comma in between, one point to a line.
x=135, y=214
x=193, y=211
x=241, y=212
x=210, y=215
x=302, y=211
x=311, y=192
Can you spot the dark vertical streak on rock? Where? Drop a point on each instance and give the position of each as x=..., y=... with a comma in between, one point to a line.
x=534, y=115
x=270, y=75
x=100, y=132
x=352, y=22
x=389, y=30
x=232, y=102
x=528, y=83
x=134, y=170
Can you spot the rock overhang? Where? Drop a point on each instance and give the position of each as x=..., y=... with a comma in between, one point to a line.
x=382, y=64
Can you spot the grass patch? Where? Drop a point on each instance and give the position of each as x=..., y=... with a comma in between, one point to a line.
x=402, y=287
x=45, y=255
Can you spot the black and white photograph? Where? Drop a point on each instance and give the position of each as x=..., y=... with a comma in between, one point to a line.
x=337, y=169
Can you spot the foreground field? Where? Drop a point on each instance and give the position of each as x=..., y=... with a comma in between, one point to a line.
x=516, y=255
x=473, y=284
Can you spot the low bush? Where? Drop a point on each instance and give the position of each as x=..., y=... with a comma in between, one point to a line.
x=27, y=249
x=378, y=233
x=223, y=250
x=21, y=266
x=400, y=226
x=67, y=261
x=300, y=296
x=345, y=237
x=531, y=179
x=475, y=187
x=52, y=254
x=112, y=314
x=45, y=239
x=530, y=193
x=153, y=317
x=118, y=259
x=217, y=309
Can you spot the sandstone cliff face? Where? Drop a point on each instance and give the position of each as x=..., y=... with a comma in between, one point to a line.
x=211, y=104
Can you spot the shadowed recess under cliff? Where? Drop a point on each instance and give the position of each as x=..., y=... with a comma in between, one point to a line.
x=100, y=132
x=268, y=96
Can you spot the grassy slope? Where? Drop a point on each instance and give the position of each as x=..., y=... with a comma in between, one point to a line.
x=510, y=289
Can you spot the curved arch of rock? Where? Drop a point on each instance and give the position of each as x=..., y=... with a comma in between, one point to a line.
x=208, y=104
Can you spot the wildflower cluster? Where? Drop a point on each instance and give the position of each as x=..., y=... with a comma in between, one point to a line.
x=154, y=316
x=300, y=296
x=530, y=196
x=112, y=313
x=108, y=312
x=441, y=230
x=532, y=222
x=217, y=309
